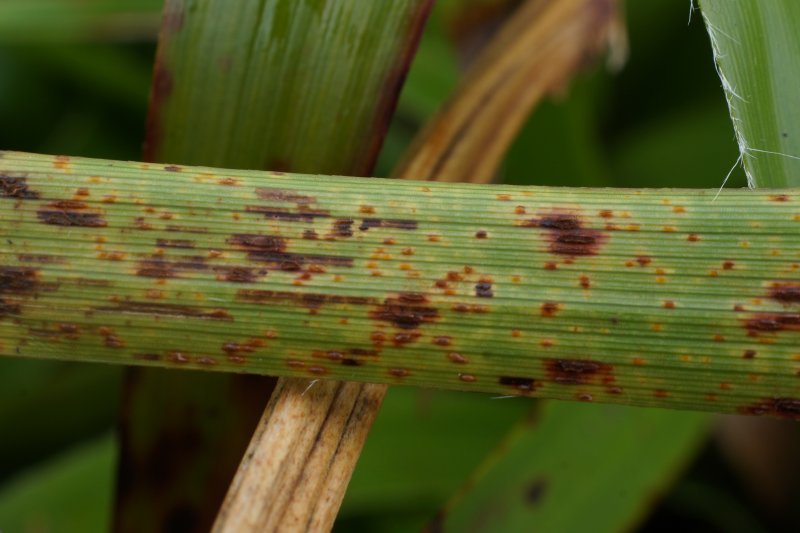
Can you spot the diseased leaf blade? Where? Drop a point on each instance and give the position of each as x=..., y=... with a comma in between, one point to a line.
x=498, y=289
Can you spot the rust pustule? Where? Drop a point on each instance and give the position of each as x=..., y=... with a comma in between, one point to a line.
x=368, y=223
x=407, y=310
x=399, y=372
x=283, y=195
x=644, y=260
x=520, y=383
x=772, y=323
x=442, y=340
x=578, y=371
x=549, y=309
x=749, y=354
x=779, y=198
x=535, y=491
x=169, y=310
x=68, y=204
x=780, y=406
x=585, y=282
x=484, y=290
x=64, y=217
x=785, y=293
x=567, y=235
x=401, y=338
x=16, y=187
x=481, y=234
x=457, y=358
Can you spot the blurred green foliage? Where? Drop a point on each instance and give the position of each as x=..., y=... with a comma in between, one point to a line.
x=661, y=122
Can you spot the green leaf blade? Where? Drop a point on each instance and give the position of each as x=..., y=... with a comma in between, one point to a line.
x=757, y=49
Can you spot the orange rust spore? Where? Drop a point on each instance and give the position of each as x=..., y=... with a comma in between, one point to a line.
x=668, y=304
x=399, y=372
x=693, y=237
x=467, y=378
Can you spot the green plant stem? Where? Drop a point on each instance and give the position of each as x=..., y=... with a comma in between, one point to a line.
x=644, y=297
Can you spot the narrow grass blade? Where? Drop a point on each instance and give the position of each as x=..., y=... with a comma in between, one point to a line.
x=644, y=297
x=757, y=49
x=257, y=59
x=77, y=487
x=65, y=21
x=563, y=474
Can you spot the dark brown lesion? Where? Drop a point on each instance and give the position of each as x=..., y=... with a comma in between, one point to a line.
x=16, y=187
x=784, y=407
x=284, y=195
x=484, y=290
x=71, y=218
x=786, y=293
x=566, y=233
x=578, y=371
x=369, y=223
x=175, y=243
x=524, y=384
x=168, y=310
x=302, y=214
x=304, y=299
x=406, y=310
x=161, y=268
x=766, y=323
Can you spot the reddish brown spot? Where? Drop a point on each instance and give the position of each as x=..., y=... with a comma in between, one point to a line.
x=71, y=218
x=175, y=243
x=171, y=310
x=70, y=331
x=402, y=338
x=585, y=282
x=728, y=265
x=693, y=237
x=282, y=195
x=310, y=235
x=294, y=363
x=739, y=308
x=668, y=304
x=206, y=361
x=503, y=197
x=16, y=187
x=185, y=229
x=779, y=406
x=606, y=213
x=779, y=198
x=772, y=323
x=113, y=341
x=467, y=378
x=749, y=354
x=456, y=357
x=454, y=276
x=366, y=209
x=519, y=210
x=549, y=309
x=615, y=390
x=407, y=310
x=442, y=340
x=785, y=293
x=577, y=371
x=172, y=168
x=484, y=290
x=661, y=393
x=147, y=356
x=678, y=209
x=228, y=182
x=566, y=234
x=368, y=223
x=519, y=383
x=140, y=223
x=481, y=234
x=643, y=260
x=399, y=372
x=550, y=266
